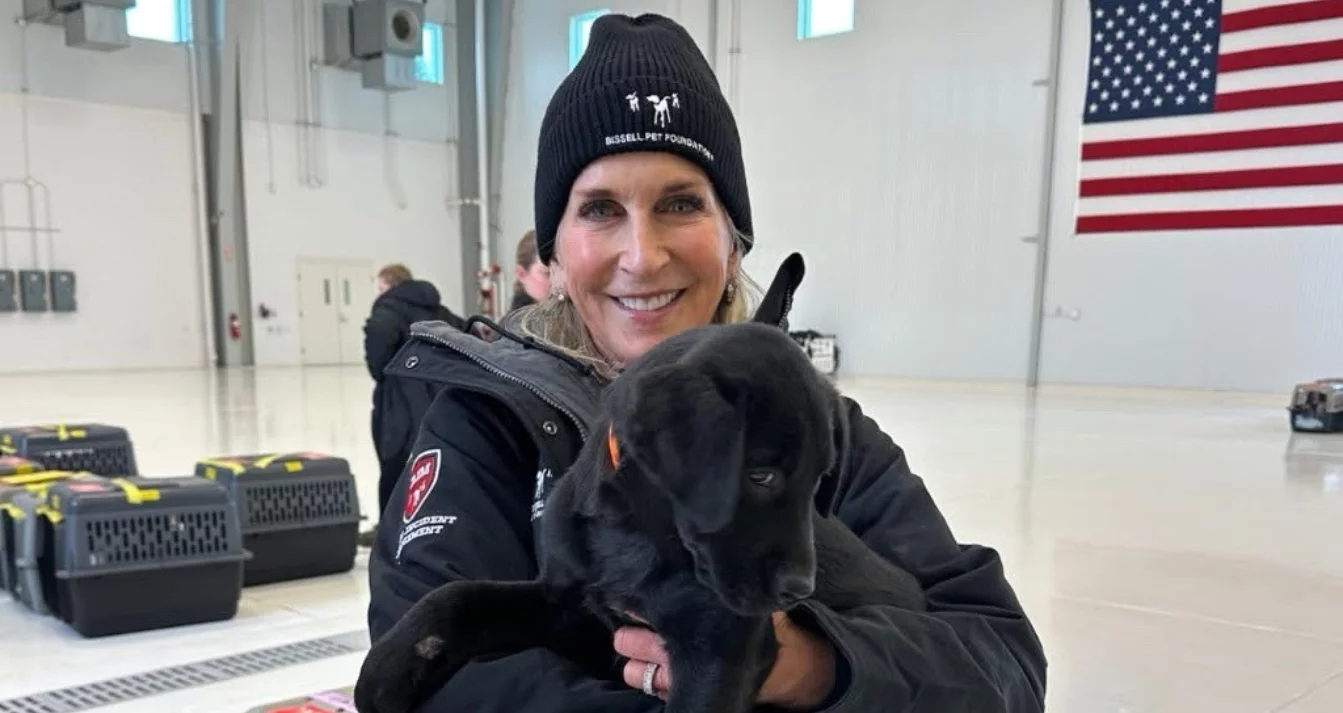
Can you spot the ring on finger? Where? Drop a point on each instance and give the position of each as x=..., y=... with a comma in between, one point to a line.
x=650, y=670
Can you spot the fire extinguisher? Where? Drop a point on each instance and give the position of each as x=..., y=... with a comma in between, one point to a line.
x=234, y=327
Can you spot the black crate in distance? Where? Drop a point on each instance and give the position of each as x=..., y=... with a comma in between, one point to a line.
x=299, y=512
x=93, y=447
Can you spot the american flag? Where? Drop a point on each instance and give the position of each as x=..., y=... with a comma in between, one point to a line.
x=1207, y=114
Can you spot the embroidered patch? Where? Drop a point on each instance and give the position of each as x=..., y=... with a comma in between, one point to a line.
x=423, y=477
x=423, y=527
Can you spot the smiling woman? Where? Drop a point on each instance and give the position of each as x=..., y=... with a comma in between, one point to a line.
x=644, y=250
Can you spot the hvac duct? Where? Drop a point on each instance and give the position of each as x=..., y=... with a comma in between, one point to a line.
x=378, y=38
x=89, y=24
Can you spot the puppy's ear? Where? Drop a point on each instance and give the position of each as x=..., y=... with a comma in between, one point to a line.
x=828, y=486
x=682, y=431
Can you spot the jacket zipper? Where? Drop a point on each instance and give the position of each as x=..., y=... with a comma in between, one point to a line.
x=582, y=432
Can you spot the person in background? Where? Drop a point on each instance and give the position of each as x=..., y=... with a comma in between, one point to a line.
x=397, y=406
x=531, y=276
x=643, y=215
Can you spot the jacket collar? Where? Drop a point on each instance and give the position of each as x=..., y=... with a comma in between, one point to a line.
x=571, y=389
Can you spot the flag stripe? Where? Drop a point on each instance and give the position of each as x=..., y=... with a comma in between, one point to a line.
x=1230, y=6
x=1215, y=181
x=1213, y=219
x=1281, y=15
x=1228, y=199
x=1281, y=56
x=1214, y=161
x=1287, y=116
x=1280, y=36
x=1274, y=77
x=1224, y=141
x=1280, y=96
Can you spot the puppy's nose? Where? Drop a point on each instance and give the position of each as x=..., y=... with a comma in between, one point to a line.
x=795, y=587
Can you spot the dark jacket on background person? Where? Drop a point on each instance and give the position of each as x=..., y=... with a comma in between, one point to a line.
x=513, y=418
x=397, y=407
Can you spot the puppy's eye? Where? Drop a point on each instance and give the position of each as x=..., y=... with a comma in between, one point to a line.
x=763, y=478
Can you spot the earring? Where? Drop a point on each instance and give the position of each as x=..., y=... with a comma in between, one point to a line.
x=559, y=296
x=730, y=294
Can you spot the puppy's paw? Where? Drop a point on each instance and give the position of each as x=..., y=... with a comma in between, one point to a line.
x=401, y=671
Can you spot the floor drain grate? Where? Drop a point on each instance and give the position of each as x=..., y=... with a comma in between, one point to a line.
x=176, y=678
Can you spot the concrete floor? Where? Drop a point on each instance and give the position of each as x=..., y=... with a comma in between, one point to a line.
x=1178, y=551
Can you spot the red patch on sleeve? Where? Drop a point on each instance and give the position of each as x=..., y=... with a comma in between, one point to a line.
x=423, y=477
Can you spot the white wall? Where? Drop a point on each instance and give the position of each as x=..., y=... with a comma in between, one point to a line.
x=109, y=136
x=382, y=198
x=353, y=217
x=1225, y=309
x=902, y=160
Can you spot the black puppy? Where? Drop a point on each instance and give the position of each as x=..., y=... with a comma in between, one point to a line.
x=702, y=505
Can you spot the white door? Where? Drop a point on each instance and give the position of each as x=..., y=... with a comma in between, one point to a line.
x=356, y=299
x=319, y=312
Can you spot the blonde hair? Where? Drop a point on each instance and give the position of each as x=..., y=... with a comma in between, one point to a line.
x=555, y=323
x=394, y=275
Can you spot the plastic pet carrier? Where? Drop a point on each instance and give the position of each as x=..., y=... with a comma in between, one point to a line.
x=822, y=349
x=92, y=447
x=11, y=486
x=132, y=554
x=14, y=465
x=1317, y=406
x=299, y=512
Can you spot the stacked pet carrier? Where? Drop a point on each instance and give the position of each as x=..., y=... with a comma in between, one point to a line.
x=116, y=555
x=92, y=447
x=84, y=539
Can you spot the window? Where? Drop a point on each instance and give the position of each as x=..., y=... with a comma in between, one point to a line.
x=580, y=26
x=429, y=65
x=162, y=20
x=818, y=18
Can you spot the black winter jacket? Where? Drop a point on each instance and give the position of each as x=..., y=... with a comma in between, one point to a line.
x=398, y=407
x=512, y=419
x=388, y=327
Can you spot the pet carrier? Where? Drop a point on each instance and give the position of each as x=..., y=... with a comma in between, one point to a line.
x=1317, y=406
x=299, y=512
x=92, y=447
x=822, y=349
x=119, y=555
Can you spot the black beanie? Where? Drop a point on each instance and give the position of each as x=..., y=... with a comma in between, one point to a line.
x=642, y=85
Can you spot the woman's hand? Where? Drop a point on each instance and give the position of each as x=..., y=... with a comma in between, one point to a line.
x=802, y=677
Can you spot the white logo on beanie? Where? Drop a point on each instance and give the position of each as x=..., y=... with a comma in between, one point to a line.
x=661, y=109
x=662, y=106
x=662, y=116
